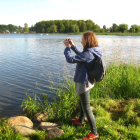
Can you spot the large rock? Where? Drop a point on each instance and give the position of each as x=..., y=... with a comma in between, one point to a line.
x=55, y=132
x=46, y=126
x=52, y=129
x=39, y=117
x=23, y=130
x=20, y=120
x=42, y=116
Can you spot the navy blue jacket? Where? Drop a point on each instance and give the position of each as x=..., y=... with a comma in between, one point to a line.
x=80, y=58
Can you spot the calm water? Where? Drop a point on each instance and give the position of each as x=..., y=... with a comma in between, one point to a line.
x=27, y=61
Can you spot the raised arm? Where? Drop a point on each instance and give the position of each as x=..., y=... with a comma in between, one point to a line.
x=75, y=49
x=73, y=59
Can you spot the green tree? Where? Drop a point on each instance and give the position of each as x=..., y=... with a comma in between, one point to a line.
x=26, y=29
x=12, y=28
x=75, y=28
x=104, y=28
x=62, y=28
x=115, y=27
x=83, y=27
x=32, y=28
x=43, y=30
x=53, y=28
x=90, y=24
x=123, y=27
x=96, y=28
x=3, y=28
x=48, y=30
x=135, y=28
x=67, y=25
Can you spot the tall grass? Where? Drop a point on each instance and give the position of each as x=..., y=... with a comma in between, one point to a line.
x=61, y=107
x=121, y=81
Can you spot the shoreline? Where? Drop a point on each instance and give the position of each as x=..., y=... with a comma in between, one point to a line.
x=110, y=33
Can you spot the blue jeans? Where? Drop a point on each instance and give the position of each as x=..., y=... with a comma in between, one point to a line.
x=85, y=110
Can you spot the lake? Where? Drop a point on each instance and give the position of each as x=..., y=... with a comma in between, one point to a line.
x=29, y=62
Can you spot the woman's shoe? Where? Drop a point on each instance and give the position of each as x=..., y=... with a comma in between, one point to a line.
x=91, y=136
x=76, y=122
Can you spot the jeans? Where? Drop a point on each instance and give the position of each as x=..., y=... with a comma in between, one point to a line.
x=85, y=110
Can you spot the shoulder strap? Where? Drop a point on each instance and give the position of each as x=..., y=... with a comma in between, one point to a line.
x=89, y=65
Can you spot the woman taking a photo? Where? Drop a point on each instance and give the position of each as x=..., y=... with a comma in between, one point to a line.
x=82, y=83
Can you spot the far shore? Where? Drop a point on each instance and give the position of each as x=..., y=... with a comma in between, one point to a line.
x=80, y=33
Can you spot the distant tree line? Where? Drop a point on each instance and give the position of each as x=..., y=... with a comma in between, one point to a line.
x=70, y=26
x=12, y=28
x=9, y=27
x=73, y=26
x=64, y=26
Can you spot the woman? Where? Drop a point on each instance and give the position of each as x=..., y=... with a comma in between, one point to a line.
x=82, y=83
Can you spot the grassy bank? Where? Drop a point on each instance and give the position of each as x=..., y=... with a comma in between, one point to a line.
x=116, y=102
x=120, y=34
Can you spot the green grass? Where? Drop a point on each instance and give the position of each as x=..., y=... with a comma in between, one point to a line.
x=115, y=120
x=121, y=82
x=116, y=101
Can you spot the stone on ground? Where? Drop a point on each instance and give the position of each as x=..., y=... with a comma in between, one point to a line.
x=52, y=129
x=20, y=120
x=46, y=126
x=55, y=132
x=24, y=130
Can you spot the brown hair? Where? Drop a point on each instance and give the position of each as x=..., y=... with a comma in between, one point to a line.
x=90, y=40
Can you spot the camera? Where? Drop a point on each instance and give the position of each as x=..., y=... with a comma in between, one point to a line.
x=68, y=39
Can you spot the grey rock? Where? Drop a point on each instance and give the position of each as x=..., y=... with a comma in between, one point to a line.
x=20, y=120
x=46, y=126
x=55, y=132
x=38, y=117
x=42, y=116
x=52, y=129
x=23, y=130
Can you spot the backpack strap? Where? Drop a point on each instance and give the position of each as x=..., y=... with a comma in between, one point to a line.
x=88, y=65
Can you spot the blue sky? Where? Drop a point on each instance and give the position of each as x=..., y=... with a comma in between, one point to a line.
x=102, y=12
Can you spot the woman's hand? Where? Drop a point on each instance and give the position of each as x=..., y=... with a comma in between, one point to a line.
x=66, y=42
x=70, y=42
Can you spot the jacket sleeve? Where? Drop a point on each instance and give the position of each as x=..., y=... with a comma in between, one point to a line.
x=76, y=50
x=73, y=59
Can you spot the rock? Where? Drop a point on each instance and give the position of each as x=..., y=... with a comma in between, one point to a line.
x=24, y=130
x=47, y=126
x=55, y=132
x=52, y=129
x=20, y=120
x=38, y=117
x=42, y=116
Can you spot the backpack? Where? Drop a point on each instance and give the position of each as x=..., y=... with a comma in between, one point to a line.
x=96, y=69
